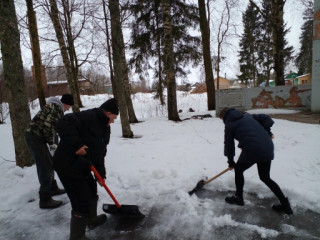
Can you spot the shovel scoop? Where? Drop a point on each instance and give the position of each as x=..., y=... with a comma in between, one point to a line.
x=201, y=183
x=116, y=209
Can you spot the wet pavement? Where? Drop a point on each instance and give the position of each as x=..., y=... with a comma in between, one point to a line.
x=256, y=220
x=303, y=117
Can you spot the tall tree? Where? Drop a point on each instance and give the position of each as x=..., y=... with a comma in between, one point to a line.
x=69, y=8
x=249, y=48
x=148, y=39
x=126, y=85
x=258, y=36
x=105, y=17
x=265, y=45
x=117, y=45
x=36, y=54
x=304, y=58
x=126, y=82
x=206, y=53
x=54, y=15
x=222, y=34
x=14, y=80
x=169, y=62
x=278, y=39
x=278, y=33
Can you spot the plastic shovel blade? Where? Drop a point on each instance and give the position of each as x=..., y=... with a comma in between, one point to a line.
x=123, y=210
x=200, y=184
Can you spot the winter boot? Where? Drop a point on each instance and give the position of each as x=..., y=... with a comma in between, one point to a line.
x=55, y=190
x=235, y=200
x=46, y=201
x=284, y=206
x=78, y=226
x=95, y=220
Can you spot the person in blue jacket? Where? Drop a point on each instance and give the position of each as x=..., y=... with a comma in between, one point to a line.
x=253, y=132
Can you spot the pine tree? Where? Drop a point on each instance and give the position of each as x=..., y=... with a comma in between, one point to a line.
x=258, y=61
x=169, y=61
x=278, y=37
x=265, y=56
x=304, y=58
x=266, y=60
x=249, y=45
x=148, y=34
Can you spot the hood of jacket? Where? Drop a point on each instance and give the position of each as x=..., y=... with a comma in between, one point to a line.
x=232, y=115
x=57, y=101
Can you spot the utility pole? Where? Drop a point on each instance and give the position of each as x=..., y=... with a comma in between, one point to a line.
x=315, y=96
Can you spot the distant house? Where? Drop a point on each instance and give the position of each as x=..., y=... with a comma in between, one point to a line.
x=59, y=87
x=290, y=79
x=294, y=79
x=303, y=79
x=202, y=87
x=271, y=83
x=107, y=88
x=223, y=83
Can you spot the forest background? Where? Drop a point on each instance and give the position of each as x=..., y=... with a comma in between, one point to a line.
x=155, y=43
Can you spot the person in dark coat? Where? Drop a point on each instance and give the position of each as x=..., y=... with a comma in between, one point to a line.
x=84, y=139
x=39, y=135
x=254, y=136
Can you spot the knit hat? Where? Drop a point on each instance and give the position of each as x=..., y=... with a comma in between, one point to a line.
x=67, y=99
x=111, y=105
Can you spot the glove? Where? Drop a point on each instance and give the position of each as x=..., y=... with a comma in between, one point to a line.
x=231, y=163
x=53, y=147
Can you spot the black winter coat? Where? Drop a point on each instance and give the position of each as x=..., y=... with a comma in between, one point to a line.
x=88, y=128
x=253, y=134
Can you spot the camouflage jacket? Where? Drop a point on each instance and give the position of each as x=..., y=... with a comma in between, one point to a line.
x=43, y=123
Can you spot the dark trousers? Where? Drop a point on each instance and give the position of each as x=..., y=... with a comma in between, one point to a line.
x=264, y=174
x=43, y=159
x=82, y=191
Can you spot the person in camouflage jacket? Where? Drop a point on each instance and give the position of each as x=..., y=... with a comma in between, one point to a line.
x=39, y=134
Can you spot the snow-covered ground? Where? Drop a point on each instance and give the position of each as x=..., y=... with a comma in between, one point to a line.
x=156, y=171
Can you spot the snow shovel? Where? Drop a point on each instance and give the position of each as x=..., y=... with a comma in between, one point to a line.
x=116, y=209
x=201, y=183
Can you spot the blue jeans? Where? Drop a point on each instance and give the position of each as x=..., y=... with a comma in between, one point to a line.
x=43, y=159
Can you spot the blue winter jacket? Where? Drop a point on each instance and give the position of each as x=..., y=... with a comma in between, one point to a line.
x=253, y=134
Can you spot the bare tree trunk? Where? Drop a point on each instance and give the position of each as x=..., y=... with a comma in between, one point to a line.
x=205, y=34
x=36, y=54
x=169, y=62
x=109, y=50
x=158, y=46
x=126, y=84
x=222, y=35
x=14, y=80
x=160, y=80
x=117, y=37
x=64, y=53
x=71, y=49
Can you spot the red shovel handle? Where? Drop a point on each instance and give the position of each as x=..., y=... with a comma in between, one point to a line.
x=102, y=182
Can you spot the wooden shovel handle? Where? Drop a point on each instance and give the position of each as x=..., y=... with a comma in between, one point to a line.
x=218, y=175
